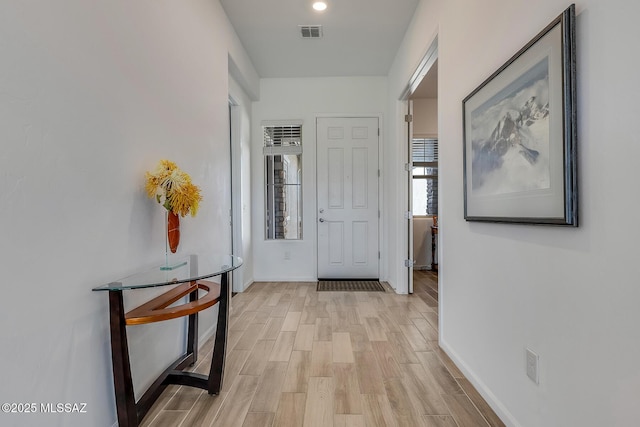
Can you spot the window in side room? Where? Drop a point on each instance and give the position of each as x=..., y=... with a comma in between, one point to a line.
x=425, y=176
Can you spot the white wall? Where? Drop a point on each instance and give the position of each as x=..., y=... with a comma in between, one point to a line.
x=425, y=117
x=306, y=99
x=570, y=294
x=93, y=94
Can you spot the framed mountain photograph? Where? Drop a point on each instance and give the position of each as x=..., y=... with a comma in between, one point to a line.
x=520, y=135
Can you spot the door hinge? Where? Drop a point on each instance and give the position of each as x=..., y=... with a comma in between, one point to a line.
x=378, y=131
x=408, y=263
x=407, y=167
x=378, y=254
x=408, y=215
x=378, y=213
x=408, y=118
x=378, y=173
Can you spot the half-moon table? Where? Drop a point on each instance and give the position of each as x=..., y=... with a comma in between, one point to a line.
x=186, y=279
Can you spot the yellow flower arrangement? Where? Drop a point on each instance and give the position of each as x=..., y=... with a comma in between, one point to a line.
x=172, y=188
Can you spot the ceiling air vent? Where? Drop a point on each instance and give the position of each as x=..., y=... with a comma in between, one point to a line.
x=311, y=31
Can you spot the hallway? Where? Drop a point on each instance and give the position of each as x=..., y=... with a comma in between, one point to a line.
x=300, y=357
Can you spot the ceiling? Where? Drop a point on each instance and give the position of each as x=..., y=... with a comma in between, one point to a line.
x=361, y=37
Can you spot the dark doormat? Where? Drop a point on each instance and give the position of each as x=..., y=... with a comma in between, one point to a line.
x=349, y=286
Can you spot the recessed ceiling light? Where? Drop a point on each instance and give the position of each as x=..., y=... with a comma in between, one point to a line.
x=319, y=5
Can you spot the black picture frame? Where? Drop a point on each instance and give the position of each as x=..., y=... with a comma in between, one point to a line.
x=520, y=134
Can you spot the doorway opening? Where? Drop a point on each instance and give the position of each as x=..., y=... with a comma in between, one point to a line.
x=421, y=129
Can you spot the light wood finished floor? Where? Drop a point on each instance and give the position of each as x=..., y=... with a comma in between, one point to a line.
x=297, y=357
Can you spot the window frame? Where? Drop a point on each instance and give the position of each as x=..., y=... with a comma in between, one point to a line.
x=288, y=142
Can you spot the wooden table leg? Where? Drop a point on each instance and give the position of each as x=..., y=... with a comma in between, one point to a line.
x=123, y=385
x=220, y=345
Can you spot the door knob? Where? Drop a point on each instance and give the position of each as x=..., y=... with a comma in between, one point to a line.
x=321, y=210
x=321, y=220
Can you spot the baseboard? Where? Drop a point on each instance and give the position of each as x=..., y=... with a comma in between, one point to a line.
x=286, y=279
x=495, y=404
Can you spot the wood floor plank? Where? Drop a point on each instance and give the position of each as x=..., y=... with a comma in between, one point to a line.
x=348, y=420
x=318, y=410
x=347, y=389
x=374, y=329
x=448, y=363
x=340, y=321
x=204, y=410
x=323, y=329
x=267, y=395
x=304, y=338
x=402, y=349
x=274, y=298
x=400, y=403
x=257, y=360
x=342, y=350
x=432, y=364
x=480, y=403
x=424, y=394
x=369, y=376
x=425, y=329
x=283, y=347
x=415, y=338
x=322, y=359
x=262, y=316
x=183, y=399
x=297, y=303
x=272, y=328
x=169, y=418
x=432, y=318
x=309, y=315
x=386, y=361
x=298, y=370
x=359, y=338
x=463, y=411
x=159, y=405
x=259, y=419
x=291, y=321
x=234, y=362
x=439, y=421
x=377, y=411
x=290, y=410
x=235, y=407
x=249, y=337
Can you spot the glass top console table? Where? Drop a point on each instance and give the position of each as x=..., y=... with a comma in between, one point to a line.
x=184, y=279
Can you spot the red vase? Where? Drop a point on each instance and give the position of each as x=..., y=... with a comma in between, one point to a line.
x=173, y=231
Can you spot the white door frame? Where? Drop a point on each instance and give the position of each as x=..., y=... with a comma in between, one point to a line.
x=384, y=256
x=235, y=125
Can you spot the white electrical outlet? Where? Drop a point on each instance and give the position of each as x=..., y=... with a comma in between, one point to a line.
x=532, y=366
x=287, y=255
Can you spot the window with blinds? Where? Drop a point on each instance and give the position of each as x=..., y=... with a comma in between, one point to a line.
x=283, y=180
x=425, y=176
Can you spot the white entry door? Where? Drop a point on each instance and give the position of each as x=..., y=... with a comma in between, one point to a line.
x=347, y=167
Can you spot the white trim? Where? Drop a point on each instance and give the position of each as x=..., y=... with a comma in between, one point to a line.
x=429, y=58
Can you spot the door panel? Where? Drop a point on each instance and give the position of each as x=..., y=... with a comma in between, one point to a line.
x=347, y=198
